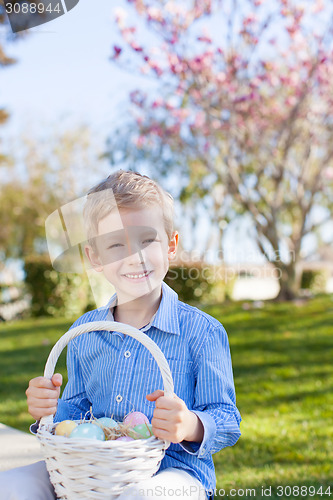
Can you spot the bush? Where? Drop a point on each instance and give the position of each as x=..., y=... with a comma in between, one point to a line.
x=314, y=280
x=53, y=293
x=199, y=283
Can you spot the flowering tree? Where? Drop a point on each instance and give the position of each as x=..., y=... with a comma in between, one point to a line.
x=242, y=111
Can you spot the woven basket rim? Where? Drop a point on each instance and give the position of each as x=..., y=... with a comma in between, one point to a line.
x=44, y=433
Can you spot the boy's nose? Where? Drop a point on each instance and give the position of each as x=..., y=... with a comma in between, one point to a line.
x=135, y=255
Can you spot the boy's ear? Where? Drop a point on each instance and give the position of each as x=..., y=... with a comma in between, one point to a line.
x=173, y=244
x=93, y=258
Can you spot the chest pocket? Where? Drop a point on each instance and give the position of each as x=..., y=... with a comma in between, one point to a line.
x=182, y=374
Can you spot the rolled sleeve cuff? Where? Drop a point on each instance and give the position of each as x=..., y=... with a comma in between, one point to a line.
x=69, y=411
x=202, y=450
x=63, y=411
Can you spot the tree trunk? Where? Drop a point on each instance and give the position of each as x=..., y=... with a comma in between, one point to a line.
x=289, y=281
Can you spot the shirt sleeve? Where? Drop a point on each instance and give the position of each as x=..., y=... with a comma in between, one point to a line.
x=215, y=398
x=73, y=404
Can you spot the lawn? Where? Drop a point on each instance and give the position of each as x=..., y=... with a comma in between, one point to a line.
x=282, y=359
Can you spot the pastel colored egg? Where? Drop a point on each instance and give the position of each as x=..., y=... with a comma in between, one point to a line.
x=136, y=418
x=124, y=438
x=65, y=427
x=141, y=431
x=106, y=422
x=88, y=431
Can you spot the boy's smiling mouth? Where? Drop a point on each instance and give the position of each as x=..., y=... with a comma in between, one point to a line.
x=136, y=276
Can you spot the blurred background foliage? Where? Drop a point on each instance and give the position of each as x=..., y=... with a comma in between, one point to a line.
x=56, y=294
x=199, y=284
x=237, y=126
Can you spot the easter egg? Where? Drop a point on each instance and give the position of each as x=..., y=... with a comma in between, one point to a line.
x=124, y=438
x=136, y=418
x=88, y=431
x=141, y=431
x=106, y=422
x=65, y=427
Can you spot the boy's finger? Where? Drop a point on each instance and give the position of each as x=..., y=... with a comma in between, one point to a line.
x=57, y=379
x=42, y=393
x=155, y=395
x=42, y=403
x=161, y=414
x=38, y=413
x=42, y=383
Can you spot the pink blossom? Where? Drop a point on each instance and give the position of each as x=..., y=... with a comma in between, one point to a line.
x=204, y=39
x=120, y=16
x=181, y=114
x=292, y=29
x=328, y=173
x=135, y=46
x=155, y=14
x=206, y=146
x=285, y=12
x=200, y=119
x=318, y=6
x=157, y=103
x=139, y=141
x=216, y=124
x=220, y=77
x=291, y=101
x=251, y=18
x=117, y=50
x=155, y=67
x=196, y=94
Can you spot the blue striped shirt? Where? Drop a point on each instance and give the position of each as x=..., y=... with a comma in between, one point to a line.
x=113, y=373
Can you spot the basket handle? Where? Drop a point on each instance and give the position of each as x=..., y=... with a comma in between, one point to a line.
x=109, y=326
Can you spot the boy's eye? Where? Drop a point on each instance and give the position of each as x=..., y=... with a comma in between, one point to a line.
x=115, y=245
x=150, y=240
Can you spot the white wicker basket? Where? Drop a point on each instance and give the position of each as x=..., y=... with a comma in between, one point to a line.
x=100, y=470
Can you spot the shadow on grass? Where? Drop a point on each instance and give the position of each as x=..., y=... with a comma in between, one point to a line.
x=40, y=326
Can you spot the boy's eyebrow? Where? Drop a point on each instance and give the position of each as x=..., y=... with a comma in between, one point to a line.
x=127, y=232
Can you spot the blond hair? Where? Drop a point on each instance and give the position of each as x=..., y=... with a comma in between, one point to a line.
x=125, y=189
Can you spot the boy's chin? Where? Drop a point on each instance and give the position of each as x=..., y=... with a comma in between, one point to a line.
x=138, y=291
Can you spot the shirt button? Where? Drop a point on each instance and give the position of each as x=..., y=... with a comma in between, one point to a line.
x=119, y=398
x=127, y=354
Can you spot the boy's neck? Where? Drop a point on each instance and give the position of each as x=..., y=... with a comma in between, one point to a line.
x=138, y=312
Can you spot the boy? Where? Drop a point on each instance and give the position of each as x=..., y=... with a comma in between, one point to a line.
x=131, y=241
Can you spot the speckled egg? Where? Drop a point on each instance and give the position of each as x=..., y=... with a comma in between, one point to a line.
x=106, y=422
x=124, y=438
x=136, y=418
x=141, y=431
x=88, y=431
x=64, y=428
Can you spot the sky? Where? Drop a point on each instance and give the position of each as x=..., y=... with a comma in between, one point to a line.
x=63, y=71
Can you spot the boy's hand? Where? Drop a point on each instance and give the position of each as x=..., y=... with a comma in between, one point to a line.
x=173, y=421
x=42, y=396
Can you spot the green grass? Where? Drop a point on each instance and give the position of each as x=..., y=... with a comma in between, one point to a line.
x=282, y=360
x=24, y=348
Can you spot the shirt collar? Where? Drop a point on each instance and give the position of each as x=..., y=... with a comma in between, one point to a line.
x=166, y=316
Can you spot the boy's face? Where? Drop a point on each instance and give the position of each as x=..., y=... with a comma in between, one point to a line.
x=133, y=251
